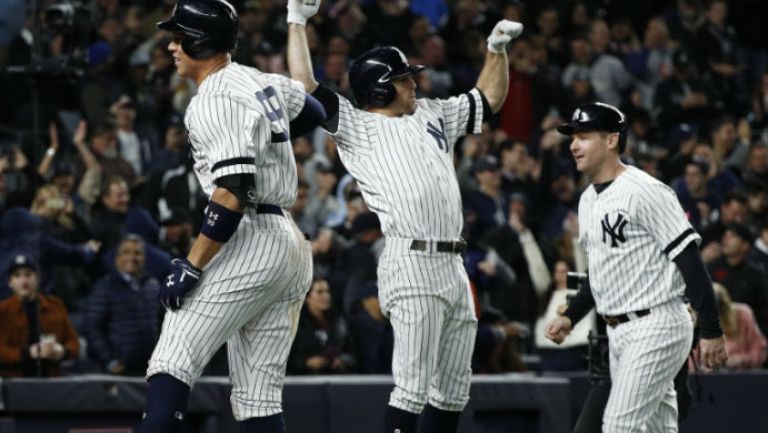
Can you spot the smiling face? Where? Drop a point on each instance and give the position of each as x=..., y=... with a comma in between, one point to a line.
x=186, y=66
x=130, y=257
x=592, y=149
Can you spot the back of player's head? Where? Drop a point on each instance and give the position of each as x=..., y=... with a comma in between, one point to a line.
x=208, y=26
x=372, y=73
x=597, y=116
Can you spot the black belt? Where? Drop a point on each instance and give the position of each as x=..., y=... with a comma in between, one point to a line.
x=269, y=208
x=456, y=247
x=614, y=321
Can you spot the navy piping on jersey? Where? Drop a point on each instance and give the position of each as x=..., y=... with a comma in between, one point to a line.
x=472, y=108
x=672, y=245
x=487, y=113
x=233, y=161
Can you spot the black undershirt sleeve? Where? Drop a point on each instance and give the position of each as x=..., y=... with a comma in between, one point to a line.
x=330, y=102
x=238, y=185
x=698, y=289
x=580, y=304
x=311, y=116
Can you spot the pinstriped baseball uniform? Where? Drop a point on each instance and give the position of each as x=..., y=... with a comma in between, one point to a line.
x=251, y=292
x=404, y=167
x=632, y=231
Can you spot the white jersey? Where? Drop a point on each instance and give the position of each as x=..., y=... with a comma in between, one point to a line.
x=238, y=123
x=632, y=231
x=404, y=165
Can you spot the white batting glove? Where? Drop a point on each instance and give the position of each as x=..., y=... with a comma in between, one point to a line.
x=503, y=32
x=299, y=11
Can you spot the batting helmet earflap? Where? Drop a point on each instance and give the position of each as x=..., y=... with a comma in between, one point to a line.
x=208, y=26
x=371, y=74
x=597, y=116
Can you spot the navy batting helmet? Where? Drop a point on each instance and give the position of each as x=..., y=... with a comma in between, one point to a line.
x=597, y=116
x=371, y=74
x=208, y=26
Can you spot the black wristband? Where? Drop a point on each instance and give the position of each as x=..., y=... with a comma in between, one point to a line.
x=220, y=223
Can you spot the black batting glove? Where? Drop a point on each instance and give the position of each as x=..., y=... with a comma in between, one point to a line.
x=182, y=278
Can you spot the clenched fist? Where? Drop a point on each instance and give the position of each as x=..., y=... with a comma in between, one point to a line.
x=299, y=11
x=503, y=32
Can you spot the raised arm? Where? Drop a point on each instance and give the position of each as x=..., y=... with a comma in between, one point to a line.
x=45, y=164
x=299, y=60
x=494, y=77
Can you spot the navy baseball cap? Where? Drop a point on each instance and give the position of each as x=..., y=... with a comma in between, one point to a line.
x=486, y=163
x=594, y=116
x=22, y=261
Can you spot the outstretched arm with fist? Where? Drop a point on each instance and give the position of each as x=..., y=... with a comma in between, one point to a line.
x=493, y=81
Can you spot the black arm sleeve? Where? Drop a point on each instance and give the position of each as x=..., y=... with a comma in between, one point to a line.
x=311, y=116
x=487, y=113
x=698, y=289
x=239, y=185
x=330, y=102
x=580, y=304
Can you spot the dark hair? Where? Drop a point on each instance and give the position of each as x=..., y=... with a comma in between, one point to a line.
x=736, y=195
x=108, y=182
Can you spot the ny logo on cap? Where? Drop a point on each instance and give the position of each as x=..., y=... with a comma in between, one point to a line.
x=580, y=116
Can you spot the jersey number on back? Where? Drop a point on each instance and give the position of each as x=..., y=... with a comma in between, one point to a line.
x=268, y=100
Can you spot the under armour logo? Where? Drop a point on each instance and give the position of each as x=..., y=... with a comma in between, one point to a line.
x=212, y=218
x=615, y=230
x=169, y=283
x=439, y=135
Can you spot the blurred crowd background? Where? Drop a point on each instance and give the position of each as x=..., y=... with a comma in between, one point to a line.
x=97, y=192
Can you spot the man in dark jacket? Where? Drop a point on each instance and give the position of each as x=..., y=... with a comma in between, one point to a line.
x=683, y=98
x=745, y=282
x=122, y=315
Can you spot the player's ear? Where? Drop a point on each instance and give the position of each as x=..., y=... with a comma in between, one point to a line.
x=613, y=141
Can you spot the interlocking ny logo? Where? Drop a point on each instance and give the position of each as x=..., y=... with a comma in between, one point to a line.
x=615, y=230
x=439, y=135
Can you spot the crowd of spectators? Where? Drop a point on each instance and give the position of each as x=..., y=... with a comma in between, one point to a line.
x=97, y=191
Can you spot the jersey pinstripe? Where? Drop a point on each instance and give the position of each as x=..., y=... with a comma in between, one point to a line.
x=238, y=123
x=404, y=165
x=251, y=291
x=632, y=231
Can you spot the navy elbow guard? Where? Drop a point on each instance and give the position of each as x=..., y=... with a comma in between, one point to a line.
x=220, y=223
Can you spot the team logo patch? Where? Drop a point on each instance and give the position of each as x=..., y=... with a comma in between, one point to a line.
x=439, y=135
x=613, y=228
x=580, y=116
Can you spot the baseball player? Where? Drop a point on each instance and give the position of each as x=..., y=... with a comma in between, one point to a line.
x=643, y=258
x=246, y=275
x=400, y=150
